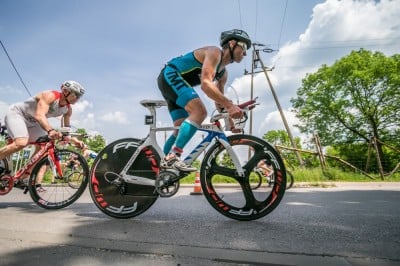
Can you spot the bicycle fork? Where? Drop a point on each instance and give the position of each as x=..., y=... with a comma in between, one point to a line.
x=221, y=138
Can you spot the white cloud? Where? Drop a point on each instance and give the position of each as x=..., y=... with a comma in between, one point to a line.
x=117, y=117
x=336, y=28
x=121, y=63
x=81, y=107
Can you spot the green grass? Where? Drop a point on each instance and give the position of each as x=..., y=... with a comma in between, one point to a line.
x=316, y=176
x=337, y=175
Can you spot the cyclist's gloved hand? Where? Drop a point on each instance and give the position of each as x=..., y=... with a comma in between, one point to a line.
x=82, y=145
x=235, y=111
x=66, y=138
x=54, y=134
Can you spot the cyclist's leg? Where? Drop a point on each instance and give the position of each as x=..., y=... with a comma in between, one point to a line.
x=18, y=132
x=169, y=143
x=186, y=132
x=187, y=111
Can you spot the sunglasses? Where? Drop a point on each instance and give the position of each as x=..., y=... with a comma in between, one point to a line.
x=243, y=45
x=76, y=94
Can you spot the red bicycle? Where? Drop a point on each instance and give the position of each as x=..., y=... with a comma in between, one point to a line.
x=58, y=177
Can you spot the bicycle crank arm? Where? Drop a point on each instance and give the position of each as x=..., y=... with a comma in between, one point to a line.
x=138, y=180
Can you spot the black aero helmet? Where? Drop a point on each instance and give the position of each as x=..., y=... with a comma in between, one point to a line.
x=235, y=34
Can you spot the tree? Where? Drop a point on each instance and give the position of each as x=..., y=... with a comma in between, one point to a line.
x=281, y=137
x=95, y=143
x=352, y=100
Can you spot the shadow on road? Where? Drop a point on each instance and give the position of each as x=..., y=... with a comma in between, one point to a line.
x=352, y=225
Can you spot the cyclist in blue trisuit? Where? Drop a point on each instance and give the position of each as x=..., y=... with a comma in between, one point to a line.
x=205, y=67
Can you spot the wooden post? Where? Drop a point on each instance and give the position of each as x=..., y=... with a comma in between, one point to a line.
x=369, y=155
x=378, y=158
x=319, y=151
x=279, y=107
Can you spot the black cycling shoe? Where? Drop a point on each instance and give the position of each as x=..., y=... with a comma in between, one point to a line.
x=20, y=185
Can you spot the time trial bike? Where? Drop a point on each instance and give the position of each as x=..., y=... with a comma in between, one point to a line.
x=126, y=180
x=58, y=177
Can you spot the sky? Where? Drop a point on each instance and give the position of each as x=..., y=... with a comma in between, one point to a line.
x=116, y=50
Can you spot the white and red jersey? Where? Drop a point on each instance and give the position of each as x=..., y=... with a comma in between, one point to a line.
x=28, y=107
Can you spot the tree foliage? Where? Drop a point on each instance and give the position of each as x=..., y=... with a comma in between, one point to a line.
x=95, y=143
x=354, y=99
x=281, y=137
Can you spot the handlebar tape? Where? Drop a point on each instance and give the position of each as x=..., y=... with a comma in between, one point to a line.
x=248, y=103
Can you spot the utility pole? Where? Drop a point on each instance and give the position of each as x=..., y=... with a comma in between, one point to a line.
x=256, y=58
x=253, y=62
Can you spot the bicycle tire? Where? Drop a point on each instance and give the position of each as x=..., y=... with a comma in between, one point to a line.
x=55, y=191
x=239, y=201
x=7, y=182
x=290, y=179
x=74, y=179
x=136, y=198
x=257, y=181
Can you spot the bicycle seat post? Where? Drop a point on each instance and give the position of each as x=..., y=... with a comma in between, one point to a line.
x=152, y=105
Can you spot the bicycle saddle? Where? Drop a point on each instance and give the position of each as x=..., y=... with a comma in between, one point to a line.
x=155, y=103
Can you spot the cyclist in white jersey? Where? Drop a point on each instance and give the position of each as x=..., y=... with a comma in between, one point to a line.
x=27, y=121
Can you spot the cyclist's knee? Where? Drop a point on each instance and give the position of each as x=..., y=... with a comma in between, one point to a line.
x=203, y=113
x=19, y=144
x=197, y=111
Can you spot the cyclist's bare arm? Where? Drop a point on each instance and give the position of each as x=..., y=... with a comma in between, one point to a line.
x=66, y=119
x=211, y=58
x=44, y=99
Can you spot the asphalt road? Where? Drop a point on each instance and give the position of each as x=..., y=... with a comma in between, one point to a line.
x=348, y=224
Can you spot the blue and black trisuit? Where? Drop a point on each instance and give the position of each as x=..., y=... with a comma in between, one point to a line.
x=176, y=82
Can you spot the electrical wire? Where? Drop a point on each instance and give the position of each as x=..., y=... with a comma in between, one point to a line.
x=16, y=71
x=19, y=76
x=256, y=26
x=282, y=23
x=240, y=15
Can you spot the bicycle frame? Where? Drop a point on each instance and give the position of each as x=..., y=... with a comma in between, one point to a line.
x=45, y=147
x=214, y=133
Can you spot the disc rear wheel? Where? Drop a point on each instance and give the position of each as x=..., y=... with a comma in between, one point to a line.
x=110, y=192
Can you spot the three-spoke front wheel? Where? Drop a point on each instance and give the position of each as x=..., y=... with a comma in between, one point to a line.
x=231, y=194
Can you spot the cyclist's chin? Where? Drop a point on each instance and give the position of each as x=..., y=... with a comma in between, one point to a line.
x=238, y=60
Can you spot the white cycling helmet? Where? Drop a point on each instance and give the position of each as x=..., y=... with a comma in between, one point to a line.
x=73, y=86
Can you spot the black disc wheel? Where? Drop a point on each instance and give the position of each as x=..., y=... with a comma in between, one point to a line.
x=113, y=193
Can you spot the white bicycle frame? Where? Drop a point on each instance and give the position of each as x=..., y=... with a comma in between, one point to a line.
x=214, y=133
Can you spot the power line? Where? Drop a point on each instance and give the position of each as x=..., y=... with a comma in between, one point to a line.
x=16, y=71
x=255, y=27
x=240, y=15
x=283, y=21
